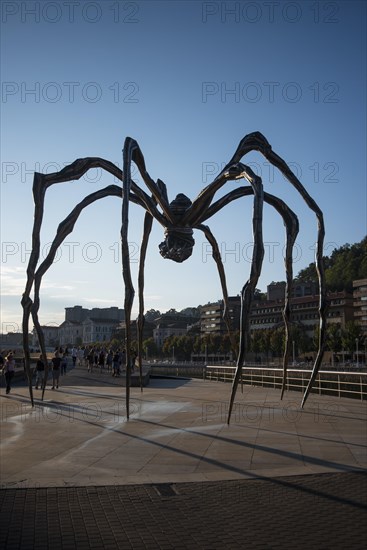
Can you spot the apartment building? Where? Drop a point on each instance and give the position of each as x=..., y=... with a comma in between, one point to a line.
x=268, y=314
x=212, y=321
x=360, y=304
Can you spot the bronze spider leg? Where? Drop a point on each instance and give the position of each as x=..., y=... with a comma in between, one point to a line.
x=250, y=286
x=197, y=213
x=132, y=153
x=63, y=230
x=201, y=205
x=222, y=276
x=148, y=221
x=256, y=141
x=292, y=227
x=41, y=183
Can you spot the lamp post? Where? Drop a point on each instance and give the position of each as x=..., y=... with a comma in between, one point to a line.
x=357, y=363
x=294, y=352
x=173, y=354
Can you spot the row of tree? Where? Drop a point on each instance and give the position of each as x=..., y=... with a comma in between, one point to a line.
x=269, y=342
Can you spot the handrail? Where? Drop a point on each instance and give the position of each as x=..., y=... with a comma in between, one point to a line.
x=354, y=384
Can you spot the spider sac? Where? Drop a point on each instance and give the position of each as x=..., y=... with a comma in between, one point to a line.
x=179, y=241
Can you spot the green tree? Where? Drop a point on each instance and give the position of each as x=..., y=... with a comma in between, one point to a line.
x=256, y=341
x=346, y=263
x=349, y=335
x=187, y=346
x=277, y=341
x=302, y=342
x=150, y=348
x=215, y=341
x=197, y=344
x=226, y=344
x=334, y=337
x=151, y=315
x=168, y=345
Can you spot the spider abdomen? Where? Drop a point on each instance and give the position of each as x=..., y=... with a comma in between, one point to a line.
x=178, y=244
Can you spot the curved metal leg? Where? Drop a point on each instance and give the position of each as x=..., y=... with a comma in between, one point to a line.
x=292, y=227
x=250, y=286
x=148, y=221
x=126, y=271
x=256, y=141
x=41, y=182
x=222, y=276
x=63, y=230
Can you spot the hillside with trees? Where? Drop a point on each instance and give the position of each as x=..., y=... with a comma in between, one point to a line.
x=342, y=267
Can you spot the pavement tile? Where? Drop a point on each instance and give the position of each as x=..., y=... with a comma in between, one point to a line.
x=176, y=476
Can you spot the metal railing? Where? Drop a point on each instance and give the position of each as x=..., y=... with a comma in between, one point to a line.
x=343, y=384
x=178, y=370
x=328, y=382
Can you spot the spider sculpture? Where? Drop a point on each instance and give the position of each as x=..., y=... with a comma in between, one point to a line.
x=179, y=218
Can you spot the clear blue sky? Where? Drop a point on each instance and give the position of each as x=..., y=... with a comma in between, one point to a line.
x=188, y=80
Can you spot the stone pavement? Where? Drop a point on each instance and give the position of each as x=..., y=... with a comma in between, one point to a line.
x=76, y=474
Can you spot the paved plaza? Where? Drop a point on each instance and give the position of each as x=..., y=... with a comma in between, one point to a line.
x=76, y=474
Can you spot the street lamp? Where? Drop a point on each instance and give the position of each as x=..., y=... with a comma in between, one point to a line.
x=294, y=352
x=173, y=354
x=357, y=364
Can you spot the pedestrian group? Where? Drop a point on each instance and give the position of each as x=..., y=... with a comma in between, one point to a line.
x=109, y=360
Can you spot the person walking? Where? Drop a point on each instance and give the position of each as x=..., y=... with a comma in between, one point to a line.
x=90, y=359
x=8, y=370
x=80, y=356
x=101, y=360
x=109, y=360
x=123, y=359
x=133, y=356
x=116, y=364
x=74, y=355
x=56, y=367
x=40, y=372
x=64, y=364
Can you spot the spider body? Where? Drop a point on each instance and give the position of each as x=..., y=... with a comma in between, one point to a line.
x=179, y=218
x=178, y=242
